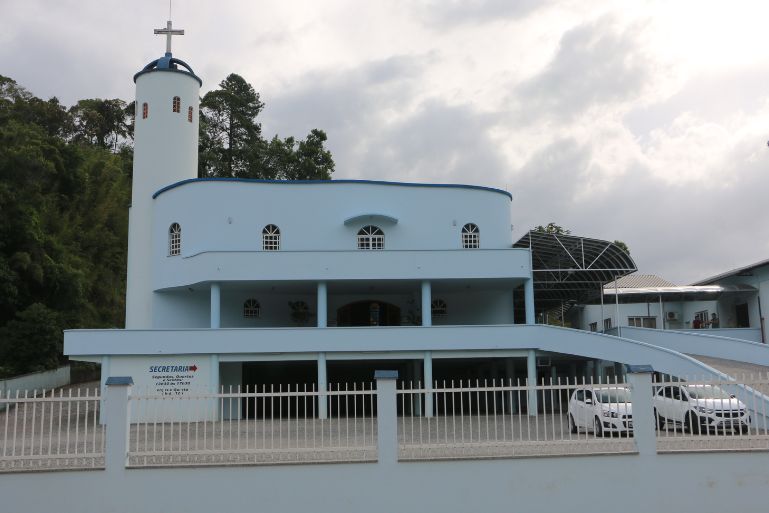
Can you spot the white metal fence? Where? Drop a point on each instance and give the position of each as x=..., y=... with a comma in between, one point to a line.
x=705, y=414
x=505, y=418
x=451, y=419
x=267, y=424
x=50, y=429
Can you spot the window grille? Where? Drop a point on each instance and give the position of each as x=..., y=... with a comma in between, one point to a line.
x=271, y=238
x=471, y=236
x=145, y=110
x=189, y=114
x=370, y=237
x=439, y=308
x=177, y=104
x=174, y=240
x=593, y=326
x=251, y=308
x=642, y=322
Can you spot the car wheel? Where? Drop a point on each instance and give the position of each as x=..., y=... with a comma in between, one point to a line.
x=659, y=420
x=692, y=424
x=744, y=429
x=597, y=427
x=572, y=424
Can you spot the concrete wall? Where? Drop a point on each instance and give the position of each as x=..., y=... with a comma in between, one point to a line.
x=35, y=381
x=230, y=216
x=703, y=482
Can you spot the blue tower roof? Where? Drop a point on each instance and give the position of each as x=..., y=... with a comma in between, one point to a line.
x=169, y=63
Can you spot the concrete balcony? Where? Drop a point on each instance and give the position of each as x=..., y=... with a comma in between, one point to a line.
x=224, y=266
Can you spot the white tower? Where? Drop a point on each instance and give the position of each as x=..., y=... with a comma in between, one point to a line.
x=165, y=152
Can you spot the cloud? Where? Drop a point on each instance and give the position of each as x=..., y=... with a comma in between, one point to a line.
x=444, y=14
x=598, y=64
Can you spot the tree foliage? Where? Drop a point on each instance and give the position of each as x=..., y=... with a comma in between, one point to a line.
x=552, y=228
x=63, y=226
x=231, y=142
x=559, y=230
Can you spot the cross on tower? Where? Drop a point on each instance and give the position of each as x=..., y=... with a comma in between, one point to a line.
x=168, y=31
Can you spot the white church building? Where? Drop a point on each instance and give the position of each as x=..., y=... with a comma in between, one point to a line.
x=237, y=282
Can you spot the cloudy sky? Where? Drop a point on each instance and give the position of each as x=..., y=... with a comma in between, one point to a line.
x=643, y=121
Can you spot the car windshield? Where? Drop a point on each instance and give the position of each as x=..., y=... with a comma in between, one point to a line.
x=614, y=395
x=707, y=392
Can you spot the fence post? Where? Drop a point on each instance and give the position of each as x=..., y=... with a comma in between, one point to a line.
x=118, y=418
x=639, y=378
x=387, y=416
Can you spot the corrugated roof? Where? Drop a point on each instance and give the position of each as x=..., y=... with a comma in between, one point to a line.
x=639, y=281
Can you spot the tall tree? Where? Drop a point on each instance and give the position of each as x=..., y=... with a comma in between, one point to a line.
x=104, y=123
x=230, y=135
x=231, y=142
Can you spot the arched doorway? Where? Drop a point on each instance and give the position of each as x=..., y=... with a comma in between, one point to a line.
x=368, y=313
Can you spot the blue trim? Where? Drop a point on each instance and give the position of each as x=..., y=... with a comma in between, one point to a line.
x=639, y=369
x=370, y=217
x=385, y=374
x=119, y=381
x=168, y=63
x=373, y=182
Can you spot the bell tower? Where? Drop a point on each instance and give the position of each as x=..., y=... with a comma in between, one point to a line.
x=165, y=152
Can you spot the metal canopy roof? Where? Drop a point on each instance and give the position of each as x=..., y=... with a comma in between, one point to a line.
x=568, y=268
x=686, y=292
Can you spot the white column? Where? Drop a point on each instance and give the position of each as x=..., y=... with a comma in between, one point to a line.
x=213, y=361
x=639, y=377
x=531, y=381
x=528, y=290
x=428, y=371
x=322, y=387
x=117, y=413
x=427, y=304
x=322, y=304
x=216, y=306
x=386, y=417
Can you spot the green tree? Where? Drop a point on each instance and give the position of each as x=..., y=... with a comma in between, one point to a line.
x=104, y=123
x=32, y=341
x=552, y=228
x=230, y=137
x=622, y=246
x=63, y=230
x=231, y=142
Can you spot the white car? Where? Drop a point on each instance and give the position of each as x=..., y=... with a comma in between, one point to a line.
x=699, y=408
x=602, y=410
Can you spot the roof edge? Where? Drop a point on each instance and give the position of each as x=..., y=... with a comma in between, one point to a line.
x=305, y=182
x=733, y=272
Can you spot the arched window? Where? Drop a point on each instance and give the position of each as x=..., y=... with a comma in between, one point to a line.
x=271, y=238
x=145, y=110
x=177, y=104
x=370, y=237
x=251, y=308
x=471, y=236
x=189, y=114
x=439, y=307
x=174, y=240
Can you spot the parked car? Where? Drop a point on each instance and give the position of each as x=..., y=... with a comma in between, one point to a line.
x=602, y=410
x=699, y=408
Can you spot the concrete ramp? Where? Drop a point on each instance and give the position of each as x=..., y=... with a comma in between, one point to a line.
x=700, y=343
